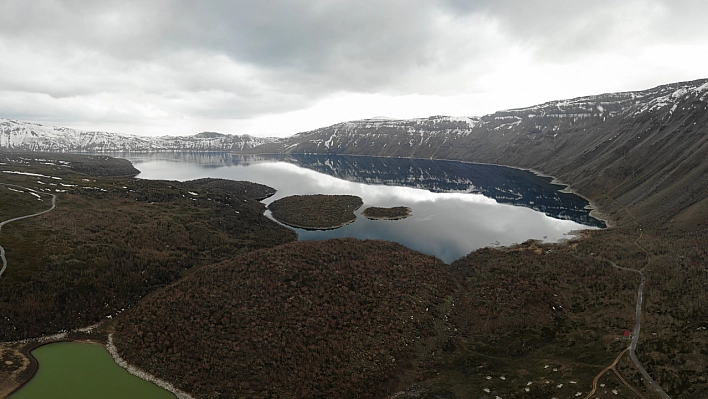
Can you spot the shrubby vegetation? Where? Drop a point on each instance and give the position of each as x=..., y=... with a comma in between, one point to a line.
x=316, y=212
x=393, y=213
x=91, y=165
x=340, y=318
x=110, y=242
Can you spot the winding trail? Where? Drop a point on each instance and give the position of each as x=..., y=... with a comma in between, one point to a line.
x=612, y=367
x=635, y=333
x=640, y=298
x=54, y=205
x=633, y=344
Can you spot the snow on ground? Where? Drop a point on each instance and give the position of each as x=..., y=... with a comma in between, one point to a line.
x=30, y=174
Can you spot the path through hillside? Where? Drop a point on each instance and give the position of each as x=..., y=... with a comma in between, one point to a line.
x=54, y=205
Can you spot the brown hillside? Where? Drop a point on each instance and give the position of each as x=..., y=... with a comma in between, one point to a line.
x=111, y=241
x=338, y=318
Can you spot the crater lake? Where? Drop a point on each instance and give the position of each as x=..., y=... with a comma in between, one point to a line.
x=456, y=207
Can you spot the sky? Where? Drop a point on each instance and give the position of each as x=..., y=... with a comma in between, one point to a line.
x=278, y=67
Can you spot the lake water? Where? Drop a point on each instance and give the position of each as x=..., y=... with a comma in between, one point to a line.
x=74, y=370
x=456, y=207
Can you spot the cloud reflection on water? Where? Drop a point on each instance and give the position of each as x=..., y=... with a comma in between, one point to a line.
x=447, y=225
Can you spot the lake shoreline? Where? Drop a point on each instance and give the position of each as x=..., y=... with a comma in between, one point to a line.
x=136, y=371
x=595, y=209
x=25, y=347
x=452, y=235
x=333, y=227
x=329, y=212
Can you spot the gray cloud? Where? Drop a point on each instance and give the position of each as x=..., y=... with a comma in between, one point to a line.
x=574, y=28
x=239, y=59
x=357, y=45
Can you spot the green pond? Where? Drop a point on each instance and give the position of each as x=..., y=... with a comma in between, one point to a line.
x=76, y=370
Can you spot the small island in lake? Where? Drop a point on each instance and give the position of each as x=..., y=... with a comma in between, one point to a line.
x=316, y=212
x=393, y=213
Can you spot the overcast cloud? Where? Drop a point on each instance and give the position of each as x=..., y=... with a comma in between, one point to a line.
x=273, y=67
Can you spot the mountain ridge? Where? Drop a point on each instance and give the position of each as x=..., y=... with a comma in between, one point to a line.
x=619, y=149
x=21, y=135
x=642, y=149
x=579, y=112
x=27, y=136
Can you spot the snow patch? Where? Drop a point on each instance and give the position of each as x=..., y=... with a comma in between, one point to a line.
x=679, y=93
x=30, y=174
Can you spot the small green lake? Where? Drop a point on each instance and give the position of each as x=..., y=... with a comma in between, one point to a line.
x=76, y=370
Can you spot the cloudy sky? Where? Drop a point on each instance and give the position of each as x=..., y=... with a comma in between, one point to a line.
x=277, y=67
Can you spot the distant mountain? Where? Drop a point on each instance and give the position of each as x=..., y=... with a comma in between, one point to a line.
x=487, y=136
x=646, y=149
x=27, y=136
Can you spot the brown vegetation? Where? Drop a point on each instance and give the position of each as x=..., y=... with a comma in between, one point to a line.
x=312, y=319
x=393, y=213
x=91, y=165
x=316, y=212
x=112, y=241
x=503, y=307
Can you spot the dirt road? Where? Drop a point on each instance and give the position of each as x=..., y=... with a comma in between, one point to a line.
x=54, y=205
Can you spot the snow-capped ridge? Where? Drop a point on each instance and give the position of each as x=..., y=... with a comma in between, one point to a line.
x=425, y=137
x=28, y=136
x=612, y=104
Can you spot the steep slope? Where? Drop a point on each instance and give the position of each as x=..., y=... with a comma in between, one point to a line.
x=653, y=160
x=27, y=136
x=623, y=145
x=488, y=137
x=415, y=138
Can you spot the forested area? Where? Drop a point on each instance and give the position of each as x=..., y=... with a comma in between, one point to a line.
x=392, y=213
x=316, y=212
x=339, y=318
x=112, y=241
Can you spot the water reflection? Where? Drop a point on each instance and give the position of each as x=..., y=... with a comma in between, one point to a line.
x=455, y=210
x=505, y=185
